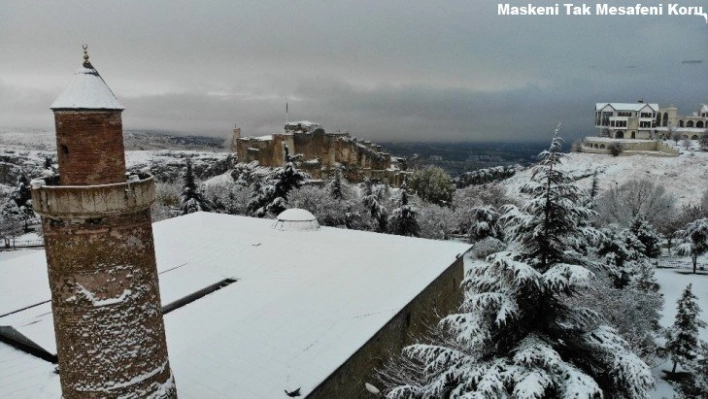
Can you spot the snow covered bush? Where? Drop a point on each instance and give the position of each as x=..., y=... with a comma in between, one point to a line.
x=327, y=210
x=517, y=334
x=436, y=222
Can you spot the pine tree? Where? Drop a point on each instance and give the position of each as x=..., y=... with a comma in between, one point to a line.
x=403, y=221
x=696, y=236
x=516, y=334
x=192, y=198
x=484, y=223
x=647, y=235
x=373, y=204
x=335, y=186
x=682, y=338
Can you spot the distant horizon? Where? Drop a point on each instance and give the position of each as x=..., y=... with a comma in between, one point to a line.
x=226, y=135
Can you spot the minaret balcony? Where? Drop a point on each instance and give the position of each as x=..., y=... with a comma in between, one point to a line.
x=95, y=201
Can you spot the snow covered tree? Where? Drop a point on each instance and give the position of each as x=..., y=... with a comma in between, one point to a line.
x=434, y=185
x=271, y=196
x=696, y=237
x=484, y=223
x=682, y=337
x=647, y=235
x=516, y=334
x=192, y=198
x=595, y=186
x=335, y=186
x=22, y=195
x=622, y=204
x=11, y=221
x=436, y=222
x=372, y=202
x=403, y=221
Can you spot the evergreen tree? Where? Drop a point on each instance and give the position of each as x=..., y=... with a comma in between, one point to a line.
x=622, y=252
x=271, y=197
x=647, y=235
x=335, y=186
x=682, y=338
x=696, y=236
x=372, y=203
x=403, y=221
x=516, y=334
x=595, y=187
x=484, y=223
x=192, y=198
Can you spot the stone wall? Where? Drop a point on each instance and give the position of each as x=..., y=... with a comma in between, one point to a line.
x=320, y=153
x=441, y=297
x=599, y=145
x=90, y=147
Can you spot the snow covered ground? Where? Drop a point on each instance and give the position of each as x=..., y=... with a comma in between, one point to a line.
x=685, y=176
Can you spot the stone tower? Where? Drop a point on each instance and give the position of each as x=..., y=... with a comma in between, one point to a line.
x=100, y=253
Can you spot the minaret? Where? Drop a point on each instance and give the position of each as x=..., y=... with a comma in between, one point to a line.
x=100, y=253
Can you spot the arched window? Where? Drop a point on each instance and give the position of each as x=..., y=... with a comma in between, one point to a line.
x=658, y=119
x=695, y=137
x=689, y=124
x=666, y=118
x=602, y=146
x=633, y=134
x=699, y=124
x=619, y=134
x=681, y=123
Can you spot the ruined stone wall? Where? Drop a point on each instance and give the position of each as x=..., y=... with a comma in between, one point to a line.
x=105, y=295
x=360, y=159
x=90, y=147
x=441, y=297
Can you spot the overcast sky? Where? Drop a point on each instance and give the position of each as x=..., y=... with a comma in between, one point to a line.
x=384, y=70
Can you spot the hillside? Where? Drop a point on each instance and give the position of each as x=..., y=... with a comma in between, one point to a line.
x=685, y=176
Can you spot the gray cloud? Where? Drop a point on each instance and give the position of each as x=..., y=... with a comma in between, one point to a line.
x=393, y=70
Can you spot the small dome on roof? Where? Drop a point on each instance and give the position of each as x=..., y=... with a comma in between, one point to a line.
x=296, y=220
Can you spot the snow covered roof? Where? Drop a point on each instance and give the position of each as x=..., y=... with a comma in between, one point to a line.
x=296, y=220
x=636, y=107
x=704, y=108
x=300, y=306
x=87, y=90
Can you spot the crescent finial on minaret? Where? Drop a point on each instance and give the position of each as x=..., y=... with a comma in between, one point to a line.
x=86, y=56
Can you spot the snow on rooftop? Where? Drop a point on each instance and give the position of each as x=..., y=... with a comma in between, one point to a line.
x=627, y=106
x=87, y=90
x=301, y=306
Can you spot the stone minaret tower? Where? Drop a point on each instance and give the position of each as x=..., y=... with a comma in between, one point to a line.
x=100, y=253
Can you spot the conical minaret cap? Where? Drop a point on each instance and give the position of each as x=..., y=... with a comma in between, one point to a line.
x=87, y=90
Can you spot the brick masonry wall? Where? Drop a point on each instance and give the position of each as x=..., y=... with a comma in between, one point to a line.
x=441, y=297
x=106, y=304
x=90, y=147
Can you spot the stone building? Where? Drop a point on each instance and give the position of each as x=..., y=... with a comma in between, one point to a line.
x=647, y=121
x=110, y=339
x=255, y=307
x=319, y=153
